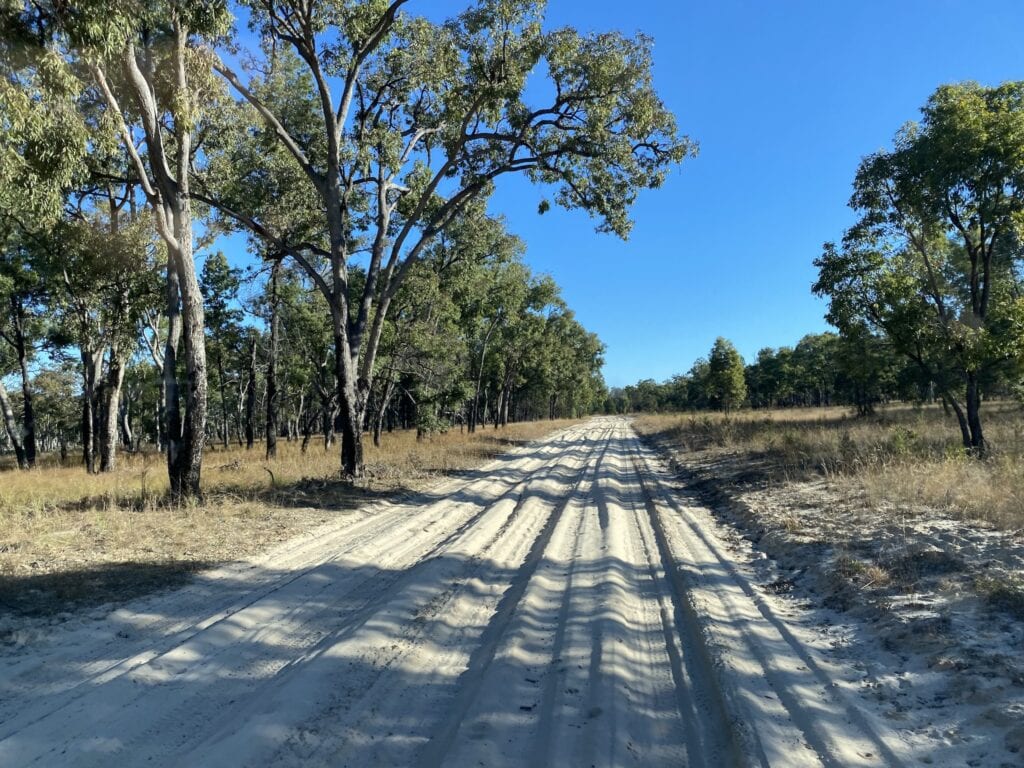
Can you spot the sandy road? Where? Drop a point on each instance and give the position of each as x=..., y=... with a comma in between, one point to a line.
x=563, y=606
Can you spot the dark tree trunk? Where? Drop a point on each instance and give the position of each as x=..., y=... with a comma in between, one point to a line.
x=385, y=402
x=28, y=417
x=250, y=398
x=350, y=412
x=239, y=410
x=12, y=427
x=172, y=400
x=328, y=415
x=272, y=395
x=505, y=406
x=498, y=407
x=978, y=445
x=90, y=402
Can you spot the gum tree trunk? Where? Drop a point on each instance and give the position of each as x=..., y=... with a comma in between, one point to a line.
x=11, y=425
x=163, y=173
x=111, y=409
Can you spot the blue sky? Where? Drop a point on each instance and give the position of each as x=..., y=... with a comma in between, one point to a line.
x=784, y=97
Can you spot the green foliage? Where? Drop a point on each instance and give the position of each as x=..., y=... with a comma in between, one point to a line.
x=725, y=384
x=932, y=262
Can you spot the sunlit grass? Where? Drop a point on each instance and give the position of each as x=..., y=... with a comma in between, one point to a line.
x=903, y=455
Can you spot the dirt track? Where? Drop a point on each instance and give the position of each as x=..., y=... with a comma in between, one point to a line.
x=563, y=606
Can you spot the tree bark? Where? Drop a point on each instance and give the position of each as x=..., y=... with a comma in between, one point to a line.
x=111, y=408
x=978, y=445
x=125, y=421
x=89, y=403
x=11, y=425
x=474, y=413
x=28, y=411
x=385, y=402
x=185, y=469
x=169, y=379
x=961, y=418
x=250, y=398
x=349, y=406
x=272, y=394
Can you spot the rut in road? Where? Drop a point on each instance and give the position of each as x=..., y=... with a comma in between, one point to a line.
x=541, y=612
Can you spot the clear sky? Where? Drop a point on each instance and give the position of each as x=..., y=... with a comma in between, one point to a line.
x=784, y=97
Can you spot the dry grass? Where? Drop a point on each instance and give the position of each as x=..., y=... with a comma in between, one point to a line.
x=69, y=538
x=903, y=456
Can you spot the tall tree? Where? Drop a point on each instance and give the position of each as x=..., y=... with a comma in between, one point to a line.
x=725, y=383
x=99, y=268
x=413, y=121
x=42, y=144
x=145, y=66
x=933, y=259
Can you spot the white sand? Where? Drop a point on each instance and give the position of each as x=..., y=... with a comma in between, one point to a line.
x=562, y=607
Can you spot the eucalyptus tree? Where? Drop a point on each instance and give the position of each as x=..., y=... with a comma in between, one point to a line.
x=42, y=144
x=143, y=63
x=273, y=303
x=522, y=350
x=394, y=124
x=867, y=368
x=99, y=266
x=498, y=300
x=933, y=259
x=576, y=386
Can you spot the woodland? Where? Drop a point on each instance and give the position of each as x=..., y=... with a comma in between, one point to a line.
x=353, y=147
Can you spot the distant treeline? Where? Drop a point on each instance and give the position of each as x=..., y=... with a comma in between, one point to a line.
x=823, y=369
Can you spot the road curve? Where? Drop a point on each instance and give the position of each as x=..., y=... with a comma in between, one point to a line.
x=565, y=605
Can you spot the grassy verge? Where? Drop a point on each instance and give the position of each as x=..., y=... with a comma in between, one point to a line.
x=903, y=456
x=69, y=539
